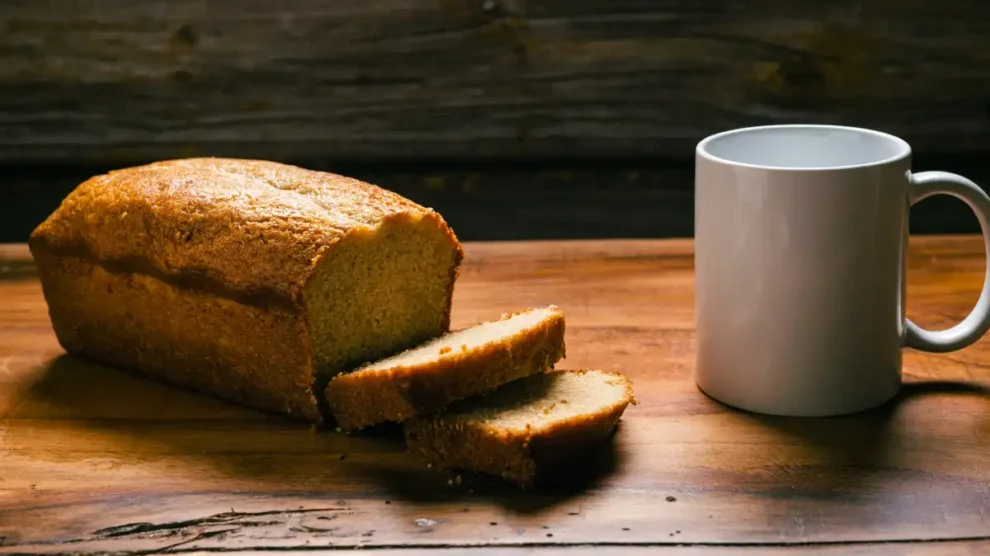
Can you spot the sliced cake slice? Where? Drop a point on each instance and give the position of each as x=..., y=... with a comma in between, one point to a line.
x=526, y=428
x=453, y=366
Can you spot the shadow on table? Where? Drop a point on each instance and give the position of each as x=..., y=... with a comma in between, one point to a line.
x=587, y=472
x=867, y=438
x=918, y=456
x=144, y=415
x=847, y=450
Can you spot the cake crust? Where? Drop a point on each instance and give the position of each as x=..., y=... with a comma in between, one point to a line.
x=254, y=356
x=247, y=229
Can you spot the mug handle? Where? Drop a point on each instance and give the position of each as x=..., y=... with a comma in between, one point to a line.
x=972, y=328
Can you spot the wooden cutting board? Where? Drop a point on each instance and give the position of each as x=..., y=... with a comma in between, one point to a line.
x=94, y=459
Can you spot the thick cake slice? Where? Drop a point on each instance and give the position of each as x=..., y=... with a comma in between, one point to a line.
x=525, y=428
x=454, y=366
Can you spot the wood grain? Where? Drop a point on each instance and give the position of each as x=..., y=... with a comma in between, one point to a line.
x=954, y=548
x=116, y=80
x=976, y=548
x=96, y=460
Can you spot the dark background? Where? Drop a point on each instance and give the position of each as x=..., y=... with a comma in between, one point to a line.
x=515, y=119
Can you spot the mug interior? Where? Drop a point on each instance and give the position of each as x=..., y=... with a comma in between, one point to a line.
x=804, y=147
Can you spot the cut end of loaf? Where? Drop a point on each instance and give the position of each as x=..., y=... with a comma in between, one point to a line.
x=524, y=429
x=378, y=291
x=382, y=289
x=454, y=366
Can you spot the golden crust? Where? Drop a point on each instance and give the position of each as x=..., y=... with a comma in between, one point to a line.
x=255, y=356
x=247, y=228
x=449, y=440
x=366, y=397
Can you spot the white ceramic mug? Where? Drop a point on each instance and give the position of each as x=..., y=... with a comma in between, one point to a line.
x=801, y=238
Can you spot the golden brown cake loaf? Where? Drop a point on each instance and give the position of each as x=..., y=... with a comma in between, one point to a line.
x=454, y=366
x=524, y=429
x=250, y=280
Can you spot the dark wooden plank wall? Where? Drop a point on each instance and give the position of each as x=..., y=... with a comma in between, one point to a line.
x=551, y=118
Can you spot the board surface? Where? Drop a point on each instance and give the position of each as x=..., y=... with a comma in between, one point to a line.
x=93, y=459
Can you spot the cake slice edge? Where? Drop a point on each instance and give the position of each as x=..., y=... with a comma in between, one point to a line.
x=366, y=397
x=521, y=455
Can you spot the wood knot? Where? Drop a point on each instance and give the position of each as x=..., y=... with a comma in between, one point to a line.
x=186, y=35
x=182, y=76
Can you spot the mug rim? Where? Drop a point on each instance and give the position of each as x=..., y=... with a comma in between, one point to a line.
x=904, y=149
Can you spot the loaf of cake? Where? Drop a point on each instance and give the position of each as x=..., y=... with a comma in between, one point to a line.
x=249, y=280
x=454, y=366
x=526, y=429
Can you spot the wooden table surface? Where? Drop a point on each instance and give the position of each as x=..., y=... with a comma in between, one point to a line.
x=94, y=460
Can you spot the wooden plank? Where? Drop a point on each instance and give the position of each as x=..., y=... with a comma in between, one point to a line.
x=94, y=460
x=959, y=548
x=112, y=81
